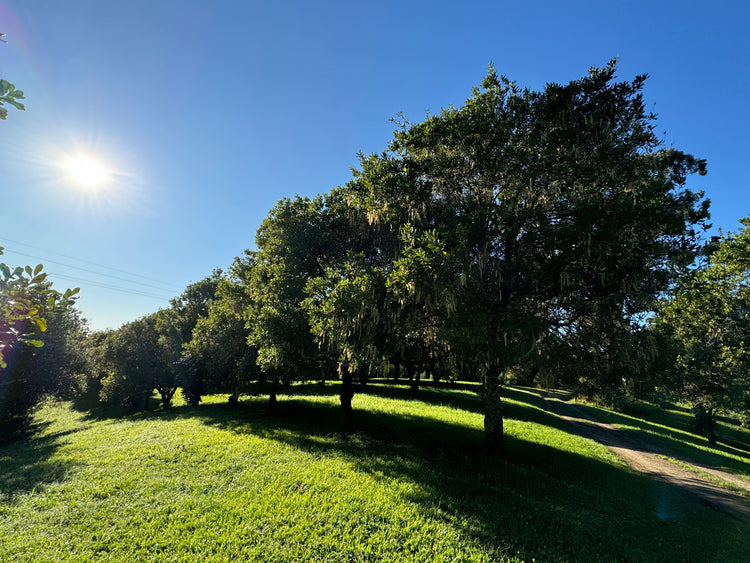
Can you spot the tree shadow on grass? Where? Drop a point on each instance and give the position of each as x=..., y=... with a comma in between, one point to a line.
x=27, y=465
x=523, y=406
x=541, y=502
x=94, y=410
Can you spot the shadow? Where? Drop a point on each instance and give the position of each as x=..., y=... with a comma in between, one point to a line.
x=520, y=404
x=95, y=410
x=26, y=465
x=583, y=508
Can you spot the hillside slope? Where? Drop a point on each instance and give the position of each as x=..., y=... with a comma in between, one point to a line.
x=411, y=483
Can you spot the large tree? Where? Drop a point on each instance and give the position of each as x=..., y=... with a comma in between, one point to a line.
x=524, y=214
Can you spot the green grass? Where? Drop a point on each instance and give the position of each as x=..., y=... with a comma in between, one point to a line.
x=412, y=482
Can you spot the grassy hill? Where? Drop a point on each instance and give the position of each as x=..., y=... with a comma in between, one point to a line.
x=411, y=483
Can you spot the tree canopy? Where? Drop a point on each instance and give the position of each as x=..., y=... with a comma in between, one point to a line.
x=519, y=217
x=706, y=320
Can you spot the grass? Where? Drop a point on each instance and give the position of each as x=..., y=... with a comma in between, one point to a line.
x=412, y=482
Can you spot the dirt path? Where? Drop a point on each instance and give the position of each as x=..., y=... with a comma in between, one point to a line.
x=641, y=457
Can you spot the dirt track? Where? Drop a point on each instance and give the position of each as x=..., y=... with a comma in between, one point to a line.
x=642, y=457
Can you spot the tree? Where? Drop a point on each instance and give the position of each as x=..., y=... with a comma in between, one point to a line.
x=707, y=319
x=194, y=303
x=141, y=356
x=61, y=364
x=530, y=214
x=292, y=249
x=218, y=356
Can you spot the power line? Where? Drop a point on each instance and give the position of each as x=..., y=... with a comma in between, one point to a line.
x=98, y=265
x=109, y=287
x=86, y=270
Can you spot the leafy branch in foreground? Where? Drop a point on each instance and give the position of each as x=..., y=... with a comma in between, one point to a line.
x=9, y=95
x=28, y=303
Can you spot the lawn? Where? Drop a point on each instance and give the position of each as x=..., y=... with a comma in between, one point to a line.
x=411, y=482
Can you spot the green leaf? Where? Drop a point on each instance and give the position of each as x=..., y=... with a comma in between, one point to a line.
x=35, y=343
x=15, y=104
x=40, y=322
x=71, y=292
x=38, y=269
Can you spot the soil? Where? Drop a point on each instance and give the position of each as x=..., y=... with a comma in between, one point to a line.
x=647, y=458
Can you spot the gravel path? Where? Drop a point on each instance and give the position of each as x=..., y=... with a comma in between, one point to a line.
x=641, y=457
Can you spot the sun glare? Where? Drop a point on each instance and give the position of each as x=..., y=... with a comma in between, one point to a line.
x=85, y=171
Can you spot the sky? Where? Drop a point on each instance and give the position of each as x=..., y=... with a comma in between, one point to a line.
x=205, y=114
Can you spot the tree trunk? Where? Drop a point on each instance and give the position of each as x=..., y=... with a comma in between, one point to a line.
x=711, y=432
x=493, y=412
x=166, y=396
x=415, y=384
x=705, y=422
x=272, y=400
x=347, y=393
x=396, y=360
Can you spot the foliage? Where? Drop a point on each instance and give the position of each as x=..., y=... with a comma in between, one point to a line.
x=23, y=294
x=194, y=303
x=294, y=246
x=519, y=219
x=29, y=306
x=9, y=95
x=139, y=357
x=28, y=303
x=707, y=317
x=61, y=364
x=219, y=358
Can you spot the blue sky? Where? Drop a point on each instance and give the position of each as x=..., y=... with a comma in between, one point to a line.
x=209, y=112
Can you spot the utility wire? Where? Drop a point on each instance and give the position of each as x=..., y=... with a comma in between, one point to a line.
x=87, y=270
x=110, y=287
x=98, y=265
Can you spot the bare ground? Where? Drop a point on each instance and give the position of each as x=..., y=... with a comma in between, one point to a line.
x=646, y=458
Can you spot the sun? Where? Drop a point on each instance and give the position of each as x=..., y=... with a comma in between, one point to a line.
x=85, y=171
